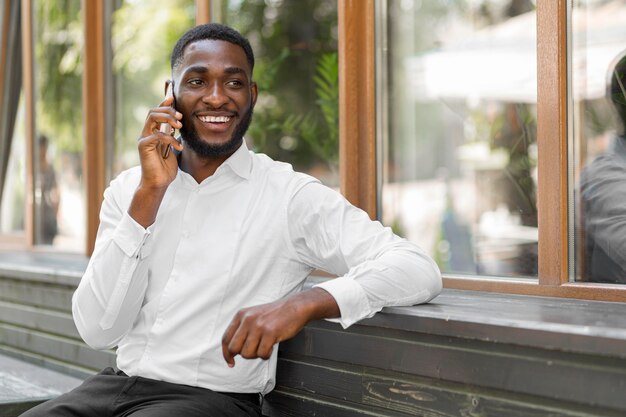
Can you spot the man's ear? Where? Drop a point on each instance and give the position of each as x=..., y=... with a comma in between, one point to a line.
x=255, y=92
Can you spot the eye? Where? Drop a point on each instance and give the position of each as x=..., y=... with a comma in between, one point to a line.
x=195, y=82
x=235, y=83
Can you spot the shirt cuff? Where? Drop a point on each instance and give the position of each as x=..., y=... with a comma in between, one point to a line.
x=130, y=236
x=351, y=299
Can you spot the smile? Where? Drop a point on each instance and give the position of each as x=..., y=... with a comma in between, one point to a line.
x=214, y=119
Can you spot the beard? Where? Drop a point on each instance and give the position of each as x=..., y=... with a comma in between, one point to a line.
x=189, y=133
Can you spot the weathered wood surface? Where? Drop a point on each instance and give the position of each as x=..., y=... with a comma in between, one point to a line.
x=464, y=354
x=304, y=385
x=590, y=327
x=583, y=380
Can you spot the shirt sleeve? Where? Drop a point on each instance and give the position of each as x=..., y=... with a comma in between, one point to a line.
x=375, y=268
x=111, y=291
x=603, y=197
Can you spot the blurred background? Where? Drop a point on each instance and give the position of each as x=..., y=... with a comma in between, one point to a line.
x=456, y=96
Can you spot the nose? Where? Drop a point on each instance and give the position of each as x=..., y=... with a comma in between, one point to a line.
x=215, y=96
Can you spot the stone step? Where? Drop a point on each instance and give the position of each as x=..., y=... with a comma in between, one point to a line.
x=24, y=385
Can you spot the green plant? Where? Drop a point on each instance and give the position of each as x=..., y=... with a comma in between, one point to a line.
x=326, y=81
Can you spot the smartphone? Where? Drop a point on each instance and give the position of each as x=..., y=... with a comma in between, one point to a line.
x=166, y=127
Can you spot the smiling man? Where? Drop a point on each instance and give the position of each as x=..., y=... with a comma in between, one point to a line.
x=201, y=255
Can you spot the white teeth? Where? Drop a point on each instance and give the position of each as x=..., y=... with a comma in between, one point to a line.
x=214, y=119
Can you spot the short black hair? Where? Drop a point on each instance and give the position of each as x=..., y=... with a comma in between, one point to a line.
x=617, y=86
x=211, y=31
x=43, y=140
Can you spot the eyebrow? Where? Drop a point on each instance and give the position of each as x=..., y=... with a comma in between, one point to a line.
x=203, y=70
x=234, y=70
x=196, y=68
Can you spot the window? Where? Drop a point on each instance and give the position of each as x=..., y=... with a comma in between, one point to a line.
x=59, y=193
x=460, y=150
x=554, y=164
x=143, y=35
x=598, y=139
x=296, y=118
x=481, y=164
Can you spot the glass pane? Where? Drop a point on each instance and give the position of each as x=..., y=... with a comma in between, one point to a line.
x=13, y=205
x=59, y=144
x=296, y=118
x=459, y=165
x=598, y=115
x=143, y=35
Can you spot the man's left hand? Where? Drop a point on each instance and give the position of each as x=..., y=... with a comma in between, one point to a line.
x=254, y=331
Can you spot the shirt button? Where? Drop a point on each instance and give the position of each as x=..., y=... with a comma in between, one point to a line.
x=185, y=233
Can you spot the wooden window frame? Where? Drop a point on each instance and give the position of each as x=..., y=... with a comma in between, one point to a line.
x=357, y=103
x=552, y=138
x=94, y=99
x=28, y=89
x=358, y=147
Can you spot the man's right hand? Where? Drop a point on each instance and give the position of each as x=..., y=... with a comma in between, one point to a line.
x=157, y=173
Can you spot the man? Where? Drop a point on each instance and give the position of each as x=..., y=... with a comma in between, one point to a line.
x=603, y=194
x=49, y=198
x=201, y=255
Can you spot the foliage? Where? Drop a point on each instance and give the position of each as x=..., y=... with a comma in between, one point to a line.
x=58, y=72
x=295, y=44
x=327, y=90
x=143, y=34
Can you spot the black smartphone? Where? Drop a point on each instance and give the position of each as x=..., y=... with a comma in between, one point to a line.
x=166, y=127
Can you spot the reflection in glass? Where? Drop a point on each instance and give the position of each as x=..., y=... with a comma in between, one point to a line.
x=59, y=144
x=459, y=166
x=599, y=116
x=296, y=117
x=143, y=35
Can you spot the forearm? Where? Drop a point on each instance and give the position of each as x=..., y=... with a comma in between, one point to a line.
x=145, y=205
x=313, y=304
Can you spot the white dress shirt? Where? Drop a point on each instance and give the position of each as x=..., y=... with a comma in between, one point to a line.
x=249, y=234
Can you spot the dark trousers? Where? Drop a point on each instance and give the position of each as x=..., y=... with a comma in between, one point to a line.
x=113, y=394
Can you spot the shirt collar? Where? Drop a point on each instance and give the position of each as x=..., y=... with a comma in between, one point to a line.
x=240, y=162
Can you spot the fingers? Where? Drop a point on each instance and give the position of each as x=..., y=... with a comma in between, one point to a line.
x=158, y=140
x=248, y=336
x=168, y=101
x=265, y=348
x=159, y=115
x=229, y=350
